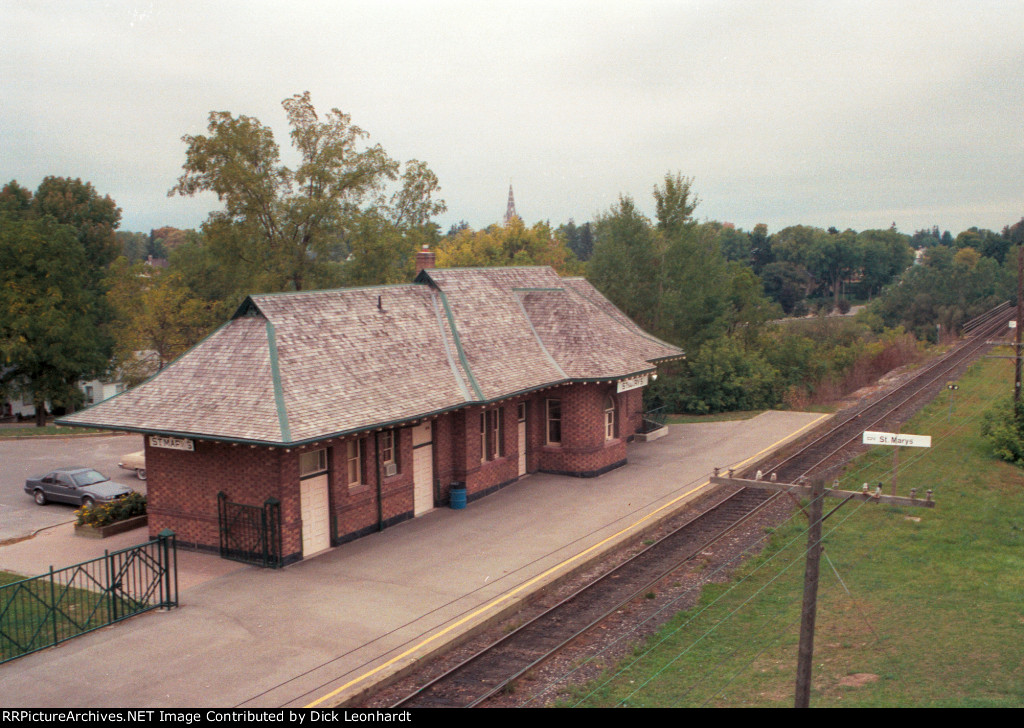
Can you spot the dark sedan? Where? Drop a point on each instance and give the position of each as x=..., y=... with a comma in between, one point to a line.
x=79, y=486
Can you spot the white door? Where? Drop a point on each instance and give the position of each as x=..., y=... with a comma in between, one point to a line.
x=521, y=416
x=313, y=507
x=423, y=468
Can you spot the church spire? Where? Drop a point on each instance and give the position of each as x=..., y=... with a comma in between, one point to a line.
x=510, y=210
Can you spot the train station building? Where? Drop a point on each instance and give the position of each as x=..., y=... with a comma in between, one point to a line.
x=342, y=412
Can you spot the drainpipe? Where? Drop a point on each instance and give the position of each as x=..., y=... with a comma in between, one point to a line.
x=380, y=479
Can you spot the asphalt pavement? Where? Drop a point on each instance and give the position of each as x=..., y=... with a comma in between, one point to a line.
x=24, y=458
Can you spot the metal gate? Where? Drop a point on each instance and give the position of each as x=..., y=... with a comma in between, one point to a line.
x=46, y=610
x=250, y=534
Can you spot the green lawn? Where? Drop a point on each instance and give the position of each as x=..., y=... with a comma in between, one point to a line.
x=934, y=615
x=720, y=417
x=49, y=430
x=26, y=621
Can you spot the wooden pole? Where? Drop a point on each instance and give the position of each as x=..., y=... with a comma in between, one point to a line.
x=805, y=657
x=1020, y=316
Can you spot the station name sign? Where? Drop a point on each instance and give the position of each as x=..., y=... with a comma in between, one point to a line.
x=172, y=443
x=890, y=438
x=636, y=382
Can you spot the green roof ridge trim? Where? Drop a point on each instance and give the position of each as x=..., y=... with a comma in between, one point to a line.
x=447, y=349
x=275, y=372
x=458, y=346
x=533, y=330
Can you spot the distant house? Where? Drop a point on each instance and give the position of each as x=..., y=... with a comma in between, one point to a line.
x=356, y=409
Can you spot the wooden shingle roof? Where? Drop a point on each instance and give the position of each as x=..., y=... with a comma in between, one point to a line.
x=294, y=368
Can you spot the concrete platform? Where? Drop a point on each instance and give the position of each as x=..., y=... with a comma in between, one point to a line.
x=326, y=628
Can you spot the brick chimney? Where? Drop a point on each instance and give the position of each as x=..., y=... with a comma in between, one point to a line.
x=424, y=258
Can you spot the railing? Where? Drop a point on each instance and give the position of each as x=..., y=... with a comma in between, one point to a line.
x=655, y=418
x=250, y=534
x=46, y=610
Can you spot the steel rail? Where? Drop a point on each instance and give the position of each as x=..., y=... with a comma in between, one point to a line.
x=913, y=387
x=568, y=601
x=986, y=323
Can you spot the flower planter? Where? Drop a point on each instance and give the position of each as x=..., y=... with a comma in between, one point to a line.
x=111, y=529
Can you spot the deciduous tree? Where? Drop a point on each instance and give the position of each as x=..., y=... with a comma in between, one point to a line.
x=283, y=224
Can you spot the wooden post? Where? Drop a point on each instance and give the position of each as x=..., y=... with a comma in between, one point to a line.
x=895, y=462
x=809, y=613
x=1020, y=315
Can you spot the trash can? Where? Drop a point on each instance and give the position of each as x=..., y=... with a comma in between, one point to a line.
x=457, y=495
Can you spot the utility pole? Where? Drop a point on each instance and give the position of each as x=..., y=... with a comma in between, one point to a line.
x=1020, y=316
x=809, y=613
x=817, y=492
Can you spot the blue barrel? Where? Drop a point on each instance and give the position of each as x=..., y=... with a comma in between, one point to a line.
x=458, y=496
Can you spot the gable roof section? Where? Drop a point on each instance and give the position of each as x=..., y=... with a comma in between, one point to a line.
x=292, y=368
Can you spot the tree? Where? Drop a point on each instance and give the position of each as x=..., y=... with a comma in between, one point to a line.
x=509, y=244
x=49, y=337
x=283, y=224
x=158, y=318
x=54, y=246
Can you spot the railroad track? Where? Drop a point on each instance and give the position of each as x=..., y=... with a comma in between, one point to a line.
x=826, y=451
x=490, y=670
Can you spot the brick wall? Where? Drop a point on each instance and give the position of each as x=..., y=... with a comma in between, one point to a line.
x=183, y=486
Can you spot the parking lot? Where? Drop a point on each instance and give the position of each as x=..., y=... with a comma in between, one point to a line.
x=24, y=458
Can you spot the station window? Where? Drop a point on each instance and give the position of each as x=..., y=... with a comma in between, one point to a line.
x=554, y=422
x=609, y=418
x=389, y=451
x=492, y=443
x=354, y=462
x=312, y=463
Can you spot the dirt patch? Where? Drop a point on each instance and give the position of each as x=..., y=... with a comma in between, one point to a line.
x=858, y=680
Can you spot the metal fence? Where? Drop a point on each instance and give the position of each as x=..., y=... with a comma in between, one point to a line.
x=655, y=418
x=43, y=611
x=250, y=534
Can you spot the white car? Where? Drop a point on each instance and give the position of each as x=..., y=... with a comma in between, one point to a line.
x=135, y=461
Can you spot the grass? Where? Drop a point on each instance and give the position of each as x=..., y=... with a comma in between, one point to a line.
x=935, y=606
x=720, y=417
x=48, y=431
x=28, y=624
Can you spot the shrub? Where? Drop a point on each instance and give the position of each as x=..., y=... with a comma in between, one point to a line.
x=103, y=514
x=844, y=306
x=1003, y=427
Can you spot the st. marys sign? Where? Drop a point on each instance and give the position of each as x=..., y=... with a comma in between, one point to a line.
x=896, y=439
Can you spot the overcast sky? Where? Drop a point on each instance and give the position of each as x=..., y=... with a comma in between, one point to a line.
x=854, y=114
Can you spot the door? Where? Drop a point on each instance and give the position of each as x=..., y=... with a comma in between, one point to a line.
x=313, y=507
x=423, y=468
x=521, y=424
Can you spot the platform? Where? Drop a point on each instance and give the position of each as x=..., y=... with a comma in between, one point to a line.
x=326, y=628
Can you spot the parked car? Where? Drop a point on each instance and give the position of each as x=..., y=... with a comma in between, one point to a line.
x=80, y=486
x=135, y=461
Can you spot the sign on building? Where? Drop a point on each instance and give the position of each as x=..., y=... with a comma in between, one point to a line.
x=172, y=443
x=891, y=438
x=636, y=382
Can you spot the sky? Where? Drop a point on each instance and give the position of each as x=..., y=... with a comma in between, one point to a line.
x=847, y=114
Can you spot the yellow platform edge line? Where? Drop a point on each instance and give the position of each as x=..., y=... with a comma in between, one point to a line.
x=553, y=570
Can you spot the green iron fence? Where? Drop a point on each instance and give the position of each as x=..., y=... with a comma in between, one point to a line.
x=43, y=611
x=655, y=418
x=250, y=534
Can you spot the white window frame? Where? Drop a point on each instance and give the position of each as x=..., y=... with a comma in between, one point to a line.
x=609, y=418
x=312, y=463
x=549, y=420
x=357, y=460
x=389, y=449
x=492, y=442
